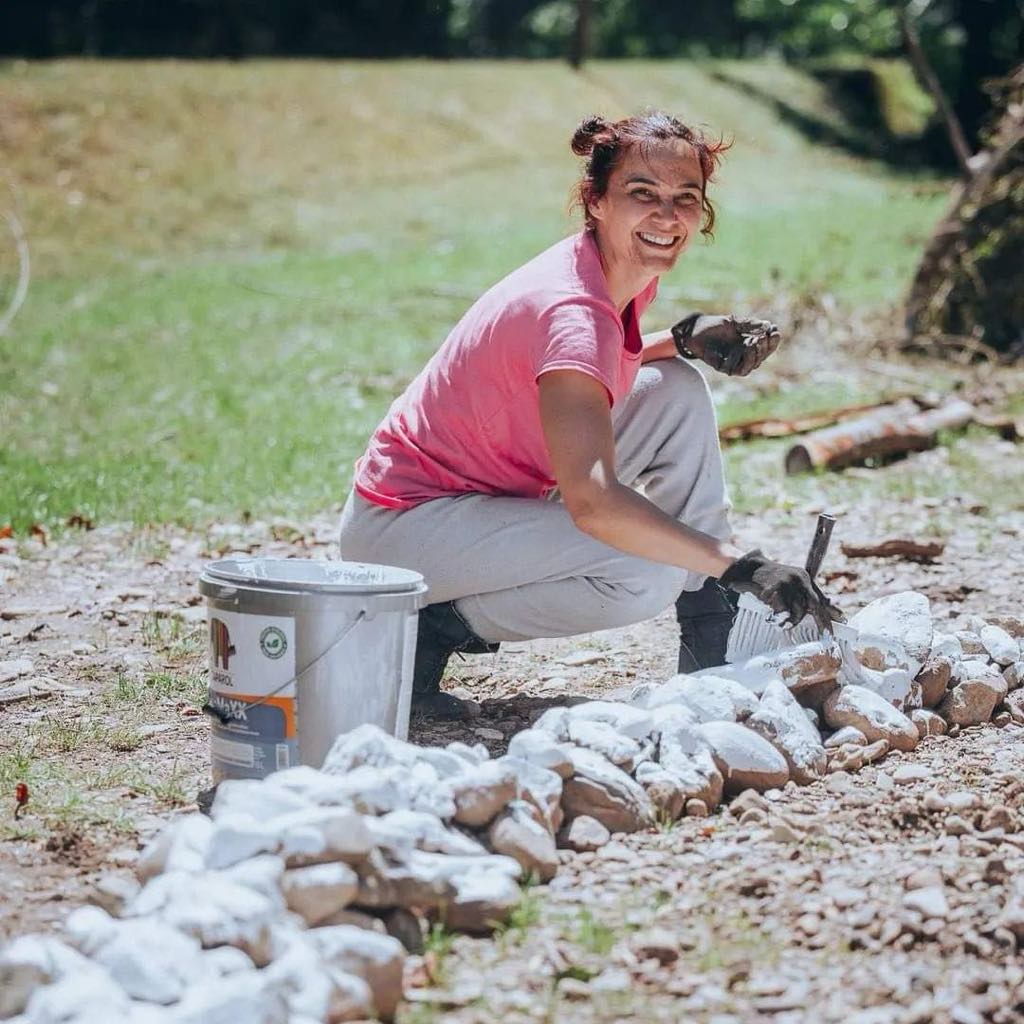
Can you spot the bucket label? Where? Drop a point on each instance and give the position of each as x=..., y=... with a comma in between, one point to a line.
x=252, y=669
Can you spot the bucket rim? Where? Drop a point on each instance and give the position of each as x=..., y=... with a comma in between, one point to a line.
x=309, y=575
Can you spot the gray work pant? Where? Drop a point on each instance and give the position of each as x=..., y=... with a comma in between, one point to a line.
x=519, y=568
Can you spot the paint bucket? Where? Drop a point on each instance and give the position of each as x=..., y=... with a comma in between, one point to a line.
x=302, y=651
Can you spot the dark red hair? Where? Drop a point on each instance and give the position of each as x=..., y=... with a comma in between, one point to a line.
x=604, y=143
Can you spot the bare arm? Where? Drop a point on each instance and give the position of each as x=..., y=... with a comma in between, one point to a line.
x=658, y=345
x=578, y=429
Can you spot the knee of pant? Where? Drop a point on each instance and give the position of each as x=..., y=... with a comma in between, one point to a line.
x=642, y=600
x=681, y=384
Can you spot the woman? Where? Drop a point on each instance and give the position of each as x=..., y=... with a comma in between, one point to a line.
x=546, y=385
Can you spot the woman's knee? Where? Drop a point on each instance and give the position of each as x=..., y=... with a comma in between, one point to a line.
x=625, y=603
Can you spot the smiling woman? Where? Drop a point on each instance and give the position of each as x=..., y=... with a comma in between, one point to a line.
x=553, y=471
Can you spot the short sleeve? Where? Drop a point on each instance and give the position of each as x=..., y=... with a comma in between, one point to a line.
x=584, y=336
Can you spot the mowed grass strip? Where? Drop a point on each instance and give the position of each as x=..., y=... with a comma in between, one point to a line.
x=237, y=267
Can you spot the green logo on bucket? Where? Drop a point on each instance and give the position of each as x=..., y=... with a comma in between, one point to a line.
x=273, y=643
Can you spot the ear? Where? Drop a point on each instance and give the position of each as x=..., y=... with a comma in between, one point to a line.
x=596, y=208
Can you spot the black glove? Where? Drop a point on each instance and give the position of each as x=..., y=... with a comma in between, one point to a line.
x=730, y=345
x=784, y=588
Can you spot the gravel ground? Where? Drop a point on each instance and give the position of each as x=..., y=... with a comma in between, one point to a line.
x=887, y=895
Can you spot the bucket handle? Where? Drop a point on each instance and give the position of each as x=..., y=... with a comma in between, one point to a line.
x=224, y=717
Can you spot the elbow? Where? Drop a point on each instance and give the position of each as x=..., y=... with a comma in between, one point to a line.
x=587, y=507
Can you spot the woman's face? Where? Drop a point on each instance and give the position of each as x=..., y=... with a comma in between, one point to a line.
x=652, y=209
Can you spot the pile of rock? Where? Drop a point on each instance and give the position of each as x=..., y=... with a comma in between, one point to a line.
x=296, y=900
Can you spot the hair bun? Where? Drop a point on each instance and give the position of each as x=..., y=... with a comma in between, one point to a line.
x=592, y=131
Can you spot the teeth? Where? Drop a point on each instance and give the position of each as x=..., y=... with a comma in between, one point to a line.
x=657, y=239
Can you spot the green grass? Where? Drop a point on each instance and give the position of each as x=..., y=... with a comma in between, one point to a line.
x=236, y=267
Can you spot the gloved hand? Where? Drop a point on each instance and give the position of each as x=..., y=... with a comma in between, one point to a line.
x=784, y=588
x=730, y=345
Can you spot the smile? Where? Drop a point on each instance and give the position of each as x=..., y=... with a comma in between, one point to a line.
x=659, y=241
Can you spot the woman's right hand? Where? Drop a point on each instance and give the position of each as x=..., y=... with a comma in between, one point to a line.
x=784, y=588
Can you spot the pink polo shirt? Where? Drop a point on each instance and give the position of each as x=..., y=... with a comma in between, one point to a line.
x=470, y=422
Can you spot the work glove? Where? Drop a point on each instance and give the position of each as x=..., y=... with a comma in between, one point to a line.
x=727, y=344
x=786, y=589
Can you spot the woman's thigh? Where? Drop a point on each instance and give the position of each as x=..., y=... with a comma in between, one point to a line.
x=478, y=544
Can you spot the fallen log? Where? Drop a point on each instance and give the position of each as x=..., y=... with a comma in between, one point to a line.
x=786, y=426
x=896, y=547
x=891, y=430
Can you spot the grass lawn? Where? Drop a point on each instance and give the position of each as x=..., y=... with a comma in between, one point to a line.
x=236, y=267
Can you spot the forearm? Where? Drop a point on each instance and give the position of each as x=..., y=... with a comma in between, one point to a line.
x=626, y=520
x=658, y=345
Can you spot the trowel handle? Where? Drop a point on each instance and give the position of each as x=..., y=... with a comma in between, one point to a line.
x=819, y=546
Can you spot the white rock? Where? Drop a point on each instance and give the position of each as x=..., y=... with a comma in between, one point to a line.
x=894, y=685
x=368, y=745
x=1001, y=647
x=318, y=891
x=847, y=734
x=904, y=618
x=255, y=798
x=711, y=698
x=746, y=760
x=151, y=961
x=584, y=835
x=225, y=960
x=416, y=787
x=970, y=642
x=605, y=740
x=247, y=996
x=946, y=645
x=376, y=959
x=181, y=846
x=236, y=839
x=929, y=902
x=1014, y=675
x=624, y=718
x=516, y=833
x=476, y=754
x=782, y=722
x=316, y=990
x=212, y=909
x=540, y=749
x=483, y=900
x=481, y=792
x=880, y=653
x=33, y=960
x=598, y=789
x=261, y=873
x=85, y=997
x=555, y=723
x=928, y=723
x=909, y=773
x=422, y=832
x=319, y=834
x=875, y=717
x=974, y=668
x=801, y=668
x=539, y=788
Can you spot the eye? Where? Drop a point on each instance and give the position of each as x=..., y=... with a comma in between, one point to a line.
x=642, y=193
x=689, y=199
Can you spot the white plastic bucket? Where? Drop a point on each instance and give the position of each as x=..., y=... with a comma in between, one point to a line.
x=302, y=651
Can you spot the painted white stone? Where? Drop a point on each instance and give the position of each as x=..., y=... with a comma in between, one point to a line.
x=978, y=667
x=316, y=990
x=781, y=721
x=261, y=873
x=247, y=996
x=517, y=834
x=972, y=701
x=225, y=960
x=605, y=739
x=85, y=997
x=33, y=960
x=746, y=760
x=880, y=653
x=376, y=959
x=368, y=745
x=928, y=722
x=540, y=788
x=1014, y=675
x=318, y=891
x=212, y=909
x=1001, y=647
x=318, y=834
x=894, y=685
x=630, y=721
x=254, y=798
x=479, y=793
x=847, y=734
x=402, y=831
x=710, y=697
x=236, y=839
x=181, y=846
x=584, y=835
x=555, y=723
x=539, y=748
x=601, y=790
x=151, y=961
x=946, y=645
x=970, y=643
x=874, y=716
x=475, y=754
x=483, y=899
x=904, y=618
x=415, y=786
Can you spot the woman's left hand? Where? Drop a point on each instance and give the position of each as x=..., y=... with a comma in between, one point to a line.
x=731, y=345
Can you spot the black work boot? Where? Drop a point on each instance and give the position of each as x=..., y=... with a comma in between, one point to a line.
x=442, y=633
x=705, y=617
